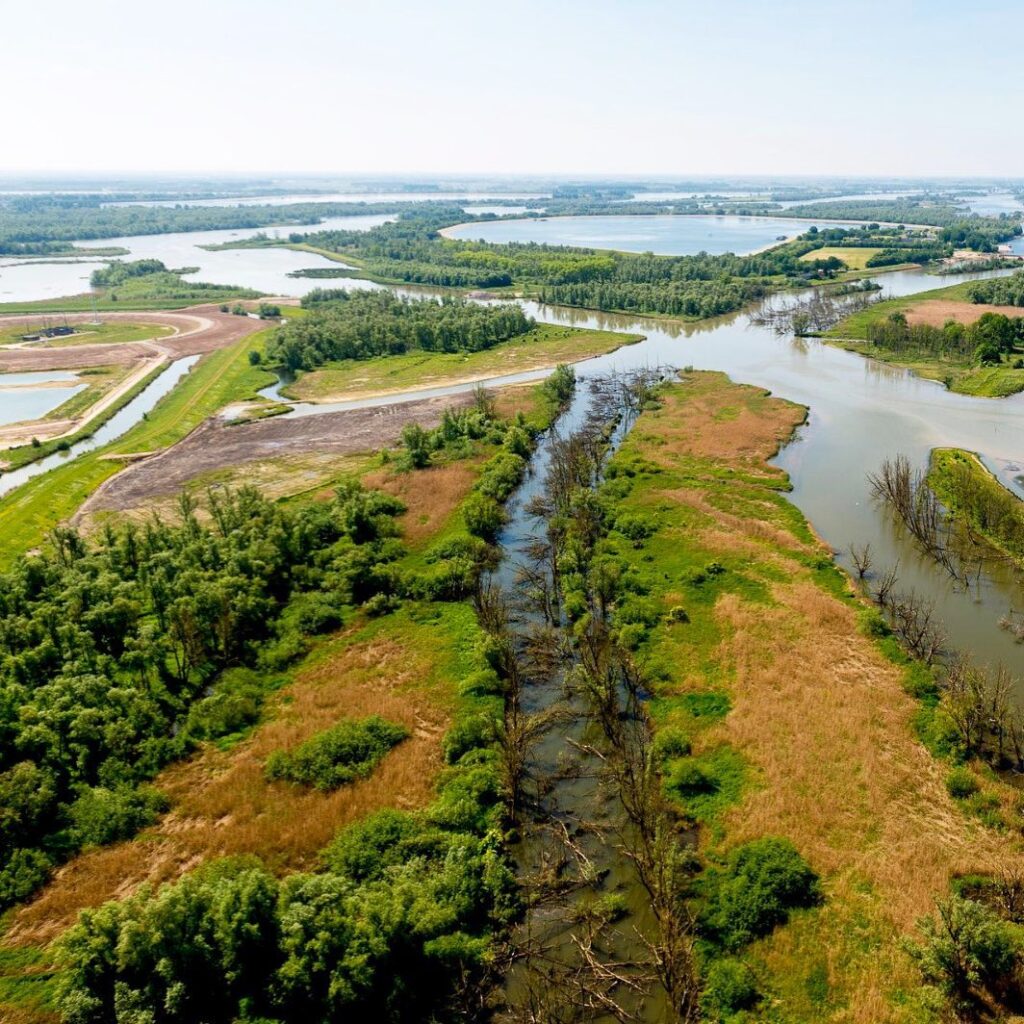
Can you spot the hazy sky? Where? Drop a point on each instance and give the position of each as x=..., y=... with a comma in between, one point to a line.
x=567, y=86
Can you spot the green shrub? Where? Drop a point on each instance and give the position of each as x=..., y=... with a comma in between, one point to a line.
x=365, y=849
x=233, y=705
x=312, y=613
x=483, y=515
x=634, y=527
x=501, y=474
x=483, y=683
x=961, y=783
x=670, y=741
x=965, y=947
x=631, y=636
x=707, y=703
x=100, y=816
x=729, y=986
x=689, y=779
x=342, y=754
x=470, y=732
x=761, y=882
x=24, y=872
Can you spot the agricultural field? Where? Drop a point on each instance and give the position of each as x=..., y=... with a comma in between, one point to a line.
x=855, y=257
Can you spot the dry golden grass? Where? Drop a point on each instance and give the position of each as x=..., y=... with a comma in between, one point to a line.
x=823, y=722
x=430, y=495
x=739, y=426
x=937, y=311
x=222, y=805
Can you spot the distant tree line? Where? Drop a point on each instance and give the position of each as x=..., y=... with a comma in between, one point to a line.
x=961, y=229
x=44, y=224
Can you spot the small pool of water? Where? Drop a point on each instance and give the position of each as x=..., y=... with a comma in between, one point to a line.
x=30, y=396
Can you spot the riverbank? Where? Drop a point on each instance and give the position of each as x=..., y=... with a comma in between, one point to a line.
x=933, y=308
x=798, y=723
x=542, y=348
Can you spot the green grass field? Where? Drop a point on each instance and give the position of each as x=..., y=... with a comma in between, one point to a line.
x=222, y=377
x=546, y=345
x=154, y=291
x=856, y=258
x=90, y=334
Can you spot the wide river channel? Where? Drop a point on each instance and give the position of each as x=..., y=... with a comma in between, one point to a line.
x=861, y=412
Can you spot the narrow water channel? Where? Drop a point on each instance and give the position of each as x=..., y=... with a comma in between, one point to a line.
x=120, y=423
x=573, y=822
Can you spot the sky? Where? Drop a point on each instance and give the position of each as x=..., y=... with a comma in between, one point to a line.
x=572, y=87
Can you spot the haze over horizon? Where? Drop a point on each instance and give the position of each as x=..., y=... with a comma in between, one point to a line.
x=655, y=88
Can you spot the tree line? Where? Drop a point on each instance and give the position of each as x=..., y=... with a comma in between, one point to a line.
x=999, y=291
x=363, y=324
x=985, y=342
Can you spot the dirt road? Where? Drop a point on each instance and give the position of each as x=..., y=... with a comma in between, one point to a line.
x=196, y=329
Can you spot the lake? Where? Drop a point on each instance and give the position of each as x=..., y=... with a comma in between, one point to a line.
x=266, y=270
x=663, y=234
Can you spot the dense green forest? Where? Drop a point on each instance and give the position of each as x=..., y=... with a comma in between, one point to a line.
x=32, y=225
x=107, y=651
x=363, y=324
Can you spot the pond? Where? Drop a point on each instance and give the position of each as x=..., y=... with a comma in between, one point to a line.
x=29, y=396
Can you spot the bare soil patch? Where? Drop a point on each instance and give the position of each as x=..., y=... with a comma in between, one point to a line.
x=215, y=445
x=198, y=329
x=937, y=311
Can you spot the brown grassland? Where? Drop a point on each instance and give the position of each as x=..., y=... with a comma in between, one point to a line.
x=818, y=713
x=222, y=805
x=937, y=311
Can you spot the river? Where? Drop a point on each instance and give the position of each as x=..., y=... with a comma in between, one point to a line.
x=861, y=412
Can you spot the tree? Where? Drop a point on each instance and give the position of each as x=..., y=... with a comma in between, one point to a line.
x=965, y=948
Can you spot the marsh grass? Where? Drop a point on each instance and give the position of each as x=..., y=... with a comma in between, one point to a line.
x=819, y=726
